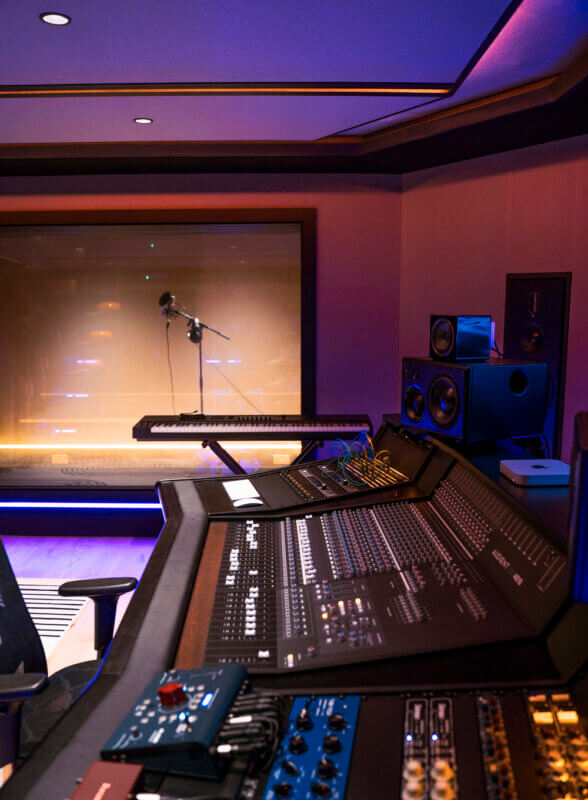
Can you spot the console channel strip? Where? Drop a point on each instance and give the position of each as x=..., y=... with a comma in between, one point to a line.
x=383, y=580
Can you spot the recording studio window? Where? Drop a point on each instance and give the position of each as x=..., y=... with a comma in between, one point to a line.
x=83, y=339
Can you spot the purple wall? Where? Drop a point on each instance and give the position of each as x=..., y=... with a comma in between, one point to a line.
x=465, y=225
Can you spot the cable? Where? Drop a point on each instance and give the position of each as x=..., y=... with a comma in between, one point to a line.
x=171, y=377
x=496, y=350
x=355, y=459
x=247, y=400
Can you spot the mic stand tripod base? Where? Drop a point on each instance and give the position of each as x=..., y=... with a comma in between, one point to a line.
x=225, y=457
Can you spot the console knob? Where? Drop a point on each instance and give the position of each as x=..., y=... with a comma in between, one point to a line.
x=443, y=790
x=413, y=790
x=326, y=769
x=320, y=789
x=303, y=720
x=290, y=768
x=283, y=789
x=337, y=722
x=442, y=769
x=297, y=744
x=172, y=694
x=413, y=768
x=135, y=732
x=331, y=743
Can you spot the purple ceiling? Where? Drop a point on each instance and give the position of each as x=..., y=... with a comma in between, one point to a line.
x=195, y=119
x=228, y=41
x=541, y=39
x=231, y=40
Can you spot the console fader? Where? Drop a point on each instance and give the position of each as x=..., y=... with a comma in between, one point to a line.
x=460, y=567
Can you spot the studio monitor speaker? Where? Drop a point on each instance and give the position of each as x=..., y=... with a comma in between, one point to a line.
x=536, y=328
x=465, y=338
x=474, y=402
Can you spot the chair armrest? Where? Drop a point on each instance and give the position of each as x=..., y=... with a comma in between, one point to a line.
x=14, y=689
x=97, y=587
x=19, y=686
x=105, y=593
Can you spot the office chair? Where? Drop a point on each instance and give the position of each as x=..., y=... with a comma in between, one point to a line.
x=23, y=667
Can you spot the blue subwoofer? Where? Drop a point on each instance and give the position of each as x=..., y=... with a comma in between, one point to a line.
x=474, y=401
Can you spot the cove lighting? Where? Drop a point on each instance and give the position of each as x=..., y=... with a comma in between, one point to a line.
x=137, y=448
x=143, y=120
x=74, y=506
x=53, y=18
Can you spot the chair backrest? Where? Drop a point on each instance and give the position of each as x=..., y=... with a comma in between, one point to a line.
x=20, y=645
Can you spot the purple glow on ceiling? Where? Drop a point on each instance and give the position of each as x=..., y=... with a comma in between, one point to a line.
x=539, y=40
x=228, y=40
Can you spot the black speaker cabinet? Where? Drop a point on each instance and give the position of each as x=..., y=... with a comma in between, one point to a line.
x=465, y=338
x=536, y=328
x=474, y=402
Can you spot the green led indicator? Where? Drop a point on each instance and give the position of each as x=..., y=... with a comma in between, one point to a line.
x=146, y=277
x=152, y=244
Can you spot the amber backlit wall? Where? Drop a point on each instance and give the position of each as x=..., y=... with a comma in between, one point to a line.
x=83, y=343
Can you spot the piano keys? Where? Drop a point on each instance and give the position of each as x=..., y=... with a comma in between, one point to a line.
x=201, y=427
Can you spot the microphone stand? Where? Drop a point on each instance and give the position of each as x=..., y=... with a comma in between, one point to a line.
x=195, y=336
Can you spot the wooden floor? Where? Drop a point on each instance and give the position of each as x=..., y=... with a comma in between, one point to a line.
x=76, y=557
x=72, y=558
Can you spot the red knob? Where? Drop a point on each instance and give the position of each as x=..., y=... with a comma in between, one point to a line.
x=172, y=694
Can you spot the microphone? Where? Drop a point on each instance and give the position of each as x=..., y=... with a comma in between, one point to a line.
x=167, y=303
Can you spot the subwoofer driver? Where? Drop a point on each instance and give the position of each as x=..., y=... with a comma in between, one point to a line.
x=443, y=399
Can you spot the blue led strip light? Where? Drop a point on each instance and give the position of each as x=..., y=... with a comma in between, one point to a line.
x=75, y=506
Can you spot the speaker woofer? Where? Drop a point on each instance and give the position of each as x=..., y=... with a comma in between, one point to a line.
x=444, y=402
x=442, y=337
x=414, y=403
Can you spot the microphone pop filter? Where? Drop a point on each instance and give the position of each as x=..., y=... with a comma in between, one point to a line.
x=164, y=299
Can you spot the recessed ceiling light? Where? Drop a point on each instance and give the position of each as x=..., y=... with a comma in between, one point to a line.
x=142, y=120
x=53, y=18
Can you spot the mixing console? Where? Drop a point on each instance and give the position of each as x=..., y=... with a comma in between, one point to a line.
x=345, y=585
x=336, y=565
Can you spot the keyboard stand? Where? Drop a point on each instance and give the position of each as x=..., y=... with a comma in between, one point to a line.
x=224, y=456
x=308, y=448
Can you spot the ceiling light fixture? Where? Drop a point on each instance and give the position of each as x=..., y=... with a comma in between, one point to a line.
x=142, y=120
x=54, y=18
